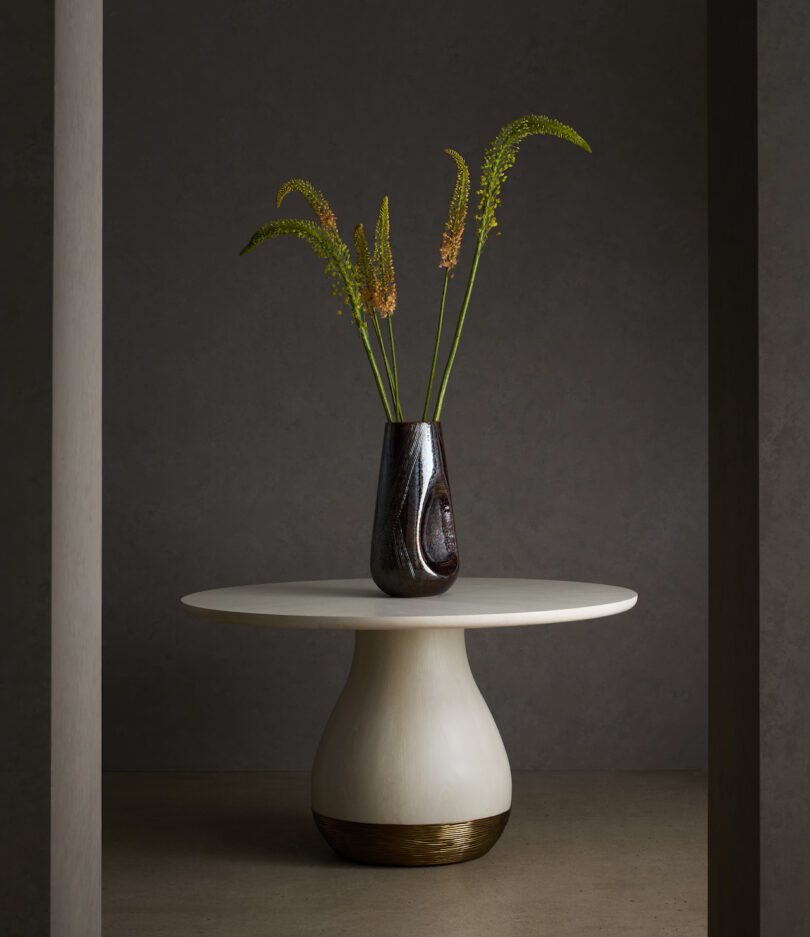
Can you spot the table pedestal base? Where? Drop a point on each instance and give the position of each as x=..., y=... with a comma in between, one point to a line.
x=412, y=844
x=411, y=769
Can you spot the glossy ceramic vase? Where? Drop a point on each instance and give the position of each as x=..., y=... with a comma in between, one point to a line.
x=413, y=544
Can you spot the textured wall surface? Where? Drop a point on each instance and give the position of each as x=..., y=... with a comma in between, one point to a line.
x=76, y=591
x=242, y=430
x=784, y=204
x=26, y=196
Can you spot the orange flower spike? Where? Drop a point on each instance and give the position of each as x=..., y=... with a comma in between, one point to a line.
x=317, y=201
x=366, y=276
x=456, y=216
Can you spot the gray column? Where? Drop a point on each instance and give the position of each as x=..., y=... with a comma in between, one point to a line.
x=50, y=486
x=76, y=536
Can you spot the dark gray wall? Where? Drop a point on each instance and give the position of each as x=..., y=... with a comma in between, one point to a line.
x=242, y=430
x=26, y=194
x=784, y=204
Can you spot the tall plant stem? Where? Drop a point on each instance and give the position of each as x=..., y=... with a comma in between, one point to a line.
x=392, y=383
x=459, y=326
x=394, y=363
x=361, y=328
x=436, y=349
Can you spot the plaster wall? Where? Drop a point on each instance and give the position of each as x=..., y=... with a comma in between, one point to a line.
x=26, y=194
x=242, y=430
x=784, y=208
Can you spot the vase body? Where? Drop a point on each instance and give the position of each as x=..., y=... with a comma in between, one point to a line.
x=413, y=544
x=411, y=769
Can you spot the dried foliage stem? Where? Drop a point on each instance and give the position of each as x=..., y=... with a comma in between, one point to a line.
x=449, y=254
x=371, y=293
x=437, y=413
x=326, y=243
x=369, y=288
x=389, y=373
x=436, y=347
x=394, y=363
x=376, y=371
x=385, y=287
x=499, y=158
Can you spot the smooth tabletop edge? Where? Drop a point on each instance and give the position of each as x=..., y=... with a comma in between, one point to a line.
x=382, y=622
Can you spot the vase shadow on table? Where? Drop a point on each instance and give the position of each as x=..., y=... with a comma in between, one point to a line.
x=348, y=589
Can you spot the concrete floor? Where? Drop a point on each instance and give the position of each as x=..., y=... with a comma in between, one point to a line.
x=237, y=855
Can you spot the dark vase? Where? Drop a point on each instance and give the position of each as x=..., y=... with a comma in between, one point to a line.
x=413, y=546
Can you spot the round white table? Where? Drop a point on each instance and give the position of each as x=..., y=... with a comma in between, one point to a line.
x=411, y=769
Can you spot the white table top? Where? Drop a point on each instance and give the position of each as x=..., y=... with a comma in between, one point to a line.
x=354, y=604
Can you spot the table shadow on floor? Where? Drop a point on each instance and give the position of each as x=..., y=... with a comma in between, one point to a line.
x=197, y=822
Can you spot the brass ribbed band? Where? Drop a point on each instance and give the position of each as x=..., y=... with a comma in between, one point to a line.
x=411, y=844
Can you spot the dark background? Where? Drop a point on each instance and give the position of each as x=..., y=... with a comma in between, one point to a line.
x=784, y=446
x=242, y=428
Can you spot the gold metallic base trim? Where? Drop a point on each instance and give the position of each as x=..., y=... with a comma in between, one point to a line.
x=411, y=844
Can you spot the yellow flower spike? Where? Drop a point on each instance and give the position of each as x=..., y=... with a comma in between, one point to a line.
x=386, y=301
x=500, y=157
x=317, y=201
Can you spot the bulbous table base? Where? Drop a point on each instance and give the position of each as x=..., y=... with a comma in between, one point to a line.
x=411, y=769
x=412, y=843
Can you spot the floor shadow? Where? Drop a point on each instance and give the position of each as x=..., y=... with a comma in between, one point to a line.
x=267, y=836
x=198, y=821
